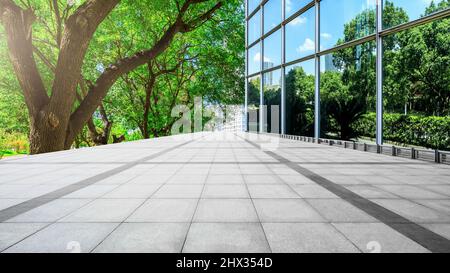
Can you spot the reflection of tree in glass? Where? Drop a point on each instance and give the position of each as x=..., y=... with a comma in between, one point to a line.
x=417, y=70
x=299, y=103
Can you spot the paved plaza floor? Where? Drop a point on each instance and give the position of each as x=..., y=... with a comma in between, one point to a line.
x=223, y=192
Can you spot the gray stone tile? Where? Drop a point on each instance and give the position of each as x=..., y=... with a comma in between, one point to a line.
x=165, y=210
x=65, y=238
x=104, y=210
x=261, y=179
x=441, y=229
x=179, y=191
x=51, y=211
x=286, y=210
x=225, y=210
x=442, y=206
x=91, y=192
x=194, y=179
x=379, y=238
x=296, y=179
x=411, y=192
x=225, y=179
x=344, y=179
x=132, y=191
x=338, y=210
x=440, y=189
x=6, y=203
x=224, y=169
x=225, y=191
x=313, y=191
x=369, y=192
x=226, y=238
x=151, y=179
x=375, y=180
x=12, y=233
x=412, y=211
x=271, y=191
x=145, y=238
x=306, y=238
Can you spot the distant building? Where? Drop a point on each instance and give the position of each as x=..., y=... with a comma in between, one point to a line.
x=329, y=65
x=268, y=77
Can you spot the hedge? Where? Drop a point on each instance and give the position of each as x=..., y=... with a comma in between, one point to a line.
x=430, y=132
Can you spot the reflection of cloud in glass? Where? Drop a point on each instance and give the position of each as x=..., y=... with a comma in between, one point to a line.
x=288, y=5
x=326, y=36
x=308, y=45
x=299, y=21
x=257, y=58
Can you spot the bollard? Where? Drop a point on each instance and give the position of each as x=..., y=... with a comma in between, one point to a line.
x=437, y=156
x=413, y=153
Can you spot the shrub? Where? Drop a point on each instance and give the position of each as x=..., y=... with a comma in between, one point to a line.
x=430, y=132
x=13, y=143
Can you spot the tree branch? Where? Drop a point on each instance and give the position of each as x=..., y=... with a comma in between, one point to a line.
x=123, y=66
x=18, y=24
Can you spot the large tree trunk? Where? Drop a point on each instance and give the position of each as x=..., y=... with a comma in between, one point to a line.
x=44, y=137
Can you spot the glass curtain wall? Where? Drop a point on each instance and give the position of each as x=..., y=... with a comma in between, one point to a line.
x=361, y=70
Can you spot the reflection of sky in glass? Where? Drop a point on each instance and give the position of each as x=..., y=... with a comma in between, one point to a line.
x=272, y=14
x=335, y=14
x=254, y=27
x=252, y=4
x=254, y=59
x=300, y=32
x=292, y=6
x=272, y=50
x=414, y=8
x=308, y=67
x=300, y=36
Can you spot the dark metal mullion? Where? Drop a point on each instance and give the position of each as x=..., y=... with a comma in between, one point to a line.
x=299, y=12
x=421, y=21
x=379, y=75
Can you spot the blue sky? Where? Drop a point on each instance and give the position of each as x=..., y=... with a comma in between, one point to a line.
x=334, y=14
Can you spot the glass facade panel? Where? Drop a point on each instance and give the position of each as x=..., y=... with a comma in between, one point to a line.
x=417, y=86
x=292, y=6
x=343, y=21
x=272, y=15
x=396, y=12
x=272, y=50
x=272, y=101
x=254, y=88
x=254, y=59
x=300, y=80
x=405, y=102
x=254, y=28
x=252, y=5
x=348, y=93
x=300, y=36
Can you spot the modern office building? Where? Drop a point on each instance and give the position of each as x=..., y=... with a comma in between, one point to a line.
x=348, y=68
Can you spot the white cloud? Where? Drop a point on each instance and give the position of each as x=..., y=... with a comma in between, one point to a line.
x=308, y=45
x=325, y=35
x=257, y=58
x=299, y=21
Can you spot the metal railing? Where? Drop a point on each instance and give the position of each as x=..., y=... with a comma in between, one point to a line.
x=437, y=156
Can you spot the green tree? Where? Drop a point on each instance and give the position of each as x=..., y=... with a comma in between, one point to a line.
x=59, y=33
